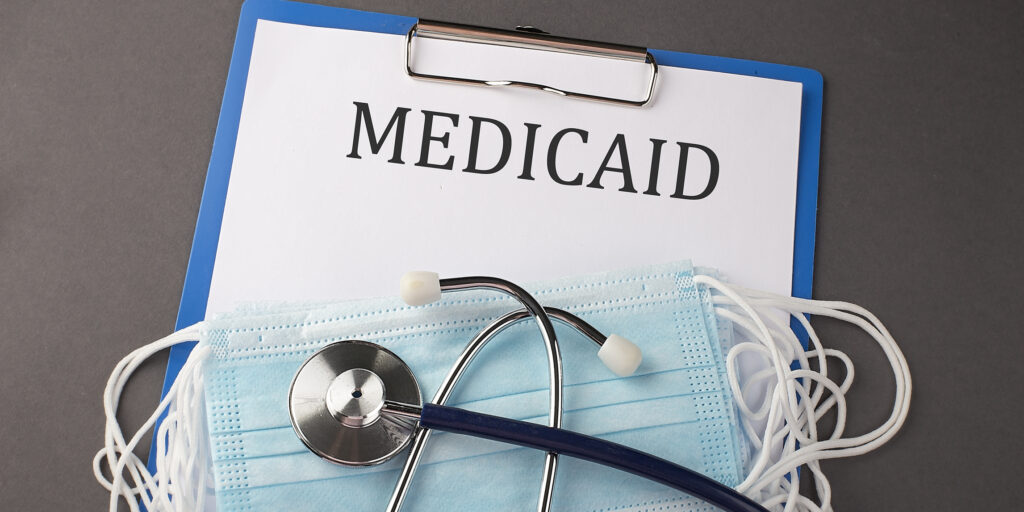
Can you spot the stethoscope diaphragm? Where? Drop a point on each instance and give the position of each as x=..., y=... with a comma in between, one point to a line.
x=337, y=397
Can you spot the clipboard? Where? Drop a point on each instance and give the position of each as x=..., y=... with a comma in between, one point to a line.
x=204, y=247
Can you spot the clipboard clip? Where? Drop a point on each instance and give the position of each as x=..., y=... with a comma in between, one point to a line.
x=529, y=38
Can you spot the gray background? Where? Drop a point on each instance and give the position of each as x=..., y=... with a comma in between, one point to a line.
x=107, y=116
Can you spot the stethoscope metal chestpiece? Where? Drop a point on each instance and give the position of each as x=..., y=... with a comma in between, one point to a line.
x=337, y=398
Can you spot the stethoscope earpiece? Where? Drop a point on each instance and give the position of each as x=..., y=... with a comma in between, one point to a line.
x=419, y=287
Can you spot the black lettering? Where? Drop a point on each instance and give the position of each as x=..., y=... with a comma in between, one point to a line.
x=684, y=150
x=553, y=156
x=428, y=137
x=474, y=142
x=531, y=136
x=627, y=177
x=398, y=118
x=652, y=183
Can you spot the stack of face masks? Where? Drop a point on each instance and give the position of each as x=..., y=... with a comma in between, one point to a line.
x=679, y=405
x=676, y=406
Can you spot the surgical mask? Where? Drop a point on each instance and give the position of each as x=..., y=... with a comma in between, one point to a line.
x=679, y=405
x=676, y=406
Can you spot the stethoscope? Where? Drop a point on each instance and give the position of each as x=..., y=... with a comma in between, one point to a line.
x=355, y=403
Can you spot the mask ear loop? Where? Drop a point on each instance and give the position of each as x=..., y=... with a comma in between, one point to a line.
x=154, y=490
x=182, y=445
x=795, y=399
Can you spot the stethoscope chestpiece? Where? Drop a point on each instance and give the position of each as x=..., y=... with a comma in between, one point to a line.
x=336, y=399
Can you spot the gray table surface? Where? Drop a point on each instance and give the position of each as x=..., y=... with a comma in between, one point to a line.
x=107, y=116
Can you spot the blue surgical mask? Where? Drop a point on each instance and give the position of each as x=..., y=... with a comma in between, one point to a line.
x=677, y=406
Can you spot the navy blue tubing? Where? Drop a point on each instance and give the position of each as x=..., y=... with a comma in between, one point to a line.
x=580, y=446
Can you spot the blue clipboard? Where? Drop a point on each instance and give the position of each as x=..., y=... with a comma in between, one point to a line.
x=204, y=244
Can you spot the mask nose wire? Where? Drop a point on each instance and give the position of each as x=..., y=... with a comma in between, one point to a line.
x=444, y=391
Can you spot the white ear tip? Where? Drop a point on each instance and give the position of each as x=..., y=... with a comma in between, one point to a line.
x=419, y=287
x=620, y=355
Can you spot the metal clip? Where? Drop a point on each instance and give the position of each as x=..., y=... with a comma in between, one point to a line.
x=531, y=39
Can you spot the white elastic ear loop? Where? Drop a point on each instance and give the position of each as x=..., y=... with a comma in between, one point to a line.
x=140, y=474
x=119, y=456
x=808, y=454
x=896, y=359
x=160, y=486
x=789, y=409
x=817, y=380
x=781, y=397
x=115, y=444
x=789, y=488
x=784, y=388
x=182, y=450
x=861, y=444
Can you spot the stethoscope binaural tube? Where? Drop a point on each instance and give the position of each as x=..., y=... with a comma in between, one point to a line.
x=444, y=391
x=419, y=288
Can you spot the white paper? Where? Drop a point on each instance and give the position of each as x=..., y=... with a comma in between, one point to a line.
x=303, y=221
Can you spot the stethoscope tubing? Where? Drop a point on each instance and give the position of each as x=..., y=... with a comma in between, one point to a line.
x=444, y=392
x=581, y=446
x=547, y=331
